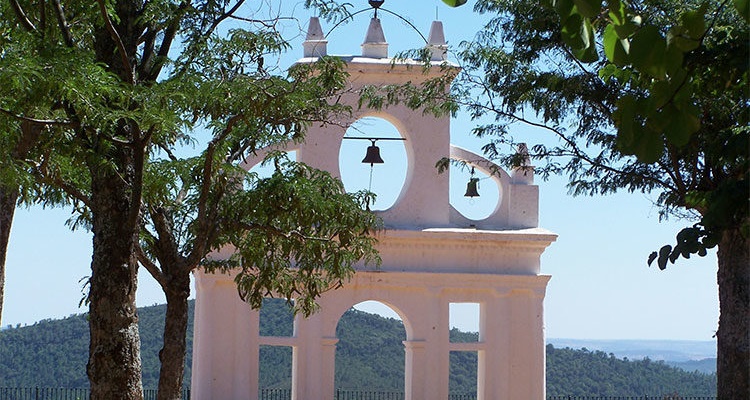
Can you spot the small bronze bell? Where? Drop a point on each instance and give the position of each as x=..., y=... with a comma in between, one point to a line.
x=373, y=155
x=471, y=188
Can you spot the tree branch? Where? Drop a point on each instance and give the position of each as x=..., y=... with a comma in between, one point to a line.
x=205, y=218
x=44, y=176
x=166, y=43
x=148, y=39
x=22, y=18
x=574, y=149
x=42, y=17
x=63, y=23
x=248, y=226
x=39, y=121
x=139, y=162
x=268, y=23
x=152, y=268
x=118, y=42
x=222, y=17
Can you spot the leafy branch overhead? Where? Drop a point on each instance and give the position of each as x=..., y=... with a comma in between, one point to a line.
x=114, y=94
x=649, y=96
x=649, y=57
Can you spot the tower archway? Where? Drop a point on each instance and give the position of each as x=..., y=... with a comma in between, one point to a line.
x=387, y=179
x=370, y=351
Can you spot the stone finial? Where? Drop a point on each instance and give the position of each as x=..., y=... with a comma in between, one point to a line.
x=375, y=45
x=524, y=173
x=436, y=42
x=315, y=44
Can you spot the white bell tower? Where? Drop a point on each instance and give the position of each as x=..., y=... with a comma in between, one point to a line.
x=432, y=256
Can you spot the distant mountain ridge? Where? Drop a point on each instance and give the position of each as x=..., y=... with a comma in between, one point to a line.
x=370, y=355
x=690, y=355
x=666, y=350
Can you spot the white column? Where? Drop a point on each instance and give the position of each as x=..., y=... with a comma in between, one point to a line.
x=415, y=368
x=327, y=367
x=493, y=374
x=439, y=368
x=224, y=326
x=201, y=345
x=527, y=353
x=426, y=359
x=313, y=377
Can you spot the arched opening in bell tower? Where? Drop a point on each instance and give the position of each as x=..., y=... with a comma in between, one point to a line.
x=386, y=180
x=474, y=208
x=370, y=351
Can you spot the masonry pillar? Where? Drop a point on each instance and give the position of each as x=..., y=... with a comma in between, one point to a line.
x=224, y=323
x=328, y=367
x=493, y=372
x=415, y=368
x=527, y=353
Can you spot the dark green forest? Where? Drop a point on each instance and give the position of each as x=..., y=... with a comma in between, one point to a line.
x=52, y=353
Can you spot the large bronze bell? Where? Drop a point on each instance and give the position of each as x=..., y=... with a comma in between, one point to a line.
x=471, y=188
x=373, y=155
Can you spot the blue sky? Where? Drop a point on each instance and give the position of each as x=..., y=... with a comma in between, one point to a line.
x=601, y=287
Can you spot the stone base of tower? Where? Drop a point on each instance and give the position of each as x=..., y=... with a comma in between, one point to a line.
x=420, y=277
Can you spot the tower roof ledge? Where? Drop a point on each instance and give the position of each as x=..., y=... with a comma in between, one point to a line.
x=363, y=60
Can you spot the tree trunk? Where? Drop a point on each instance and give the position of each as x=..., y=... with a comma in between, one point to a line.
x=7, y=210
x=172, y=354
x=733, y=336
x=114, y=366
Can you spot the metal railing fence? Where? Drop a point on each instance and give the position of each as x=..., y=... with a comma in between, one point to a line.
x=46, y=393
x=355, y=394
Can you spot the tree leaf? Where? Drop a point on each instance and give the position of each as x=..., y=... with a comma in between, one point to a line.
x=664, y=254
x=615, y=49
x=573, y=31
x=617, y=12
x=578, y=33
x=625, y=30
x=588, y=8
x=743, y=7
x=565, y=8
x=648, y=145
x=694, y=22
x=681, y=126
x=673, y=62
x=624, y=118
x=647, y=51
x=587, y=55
x=454, y=3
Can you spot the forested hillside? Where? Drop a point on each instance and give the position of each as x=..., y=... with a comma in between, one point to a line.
x=582, y=372
x=369, y=355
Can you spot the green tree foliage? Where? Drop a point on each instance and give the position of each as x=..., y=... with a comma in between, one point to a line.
x=649, y=96
x=463, y=372
x=49, y=353
x=595, y=373
x=53, y=353
x=118, y=87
